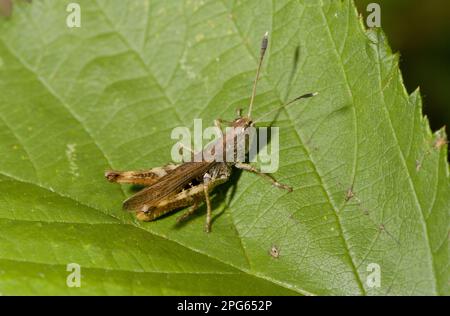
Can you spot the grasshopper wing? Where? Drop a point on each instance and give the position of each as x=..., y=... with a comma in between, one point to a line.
x=169, y=184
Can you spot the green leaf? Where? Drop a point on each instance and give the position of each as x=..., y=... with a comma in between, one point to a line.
x=371, y=182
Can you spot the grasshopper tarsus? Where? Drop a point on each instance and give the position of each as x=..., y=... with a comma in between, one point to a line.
x=283, y=186
x=111, y=175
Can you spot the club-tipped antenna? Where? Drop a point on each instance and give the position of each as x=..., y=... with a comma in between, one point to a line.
x=305, y=96
x=264, y=43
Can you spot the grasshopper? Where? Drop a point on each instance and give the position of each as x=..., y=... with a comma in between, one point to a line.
x=177, y=186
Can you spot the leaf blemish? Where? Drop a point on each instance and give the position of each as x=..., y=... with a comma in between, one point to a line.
x=440, y=142
x=199, y=37
x=274, y=252
x=185, y=67
x=419, y=162
x=418, y=165
x=349, y=194
x=72, y=158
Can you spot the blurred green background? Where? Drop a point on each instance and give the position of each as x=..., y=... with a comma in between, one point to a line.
x=420, y=31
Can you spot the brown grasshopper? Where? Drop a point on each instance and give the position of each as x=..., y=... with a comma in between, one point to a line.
x=190, y=183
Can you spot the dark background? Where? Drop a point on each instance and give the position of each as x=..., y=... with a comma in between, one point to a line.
x=420, y=31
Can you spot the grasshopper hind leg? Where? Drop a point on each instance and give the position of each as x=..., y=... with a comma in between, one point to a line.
x=189, y=212
x=139, y=177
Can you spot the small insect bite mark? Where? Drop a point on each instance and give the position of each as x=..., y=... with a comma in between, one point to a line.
x=274, y=252
x=71, y=155
x=418, y=165
x=440, y=142
x=349, y=194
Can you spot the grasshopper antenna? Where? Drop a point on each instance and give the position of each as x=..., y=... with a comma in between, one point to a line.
x=305, y=96
x=264, y=43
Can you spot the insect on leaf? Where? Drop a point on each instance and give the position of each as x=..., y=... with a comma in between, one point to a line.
x=371, y=188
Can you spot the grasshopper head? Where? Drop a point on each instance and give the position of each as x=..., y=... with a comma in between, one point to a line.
x=242, y=122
